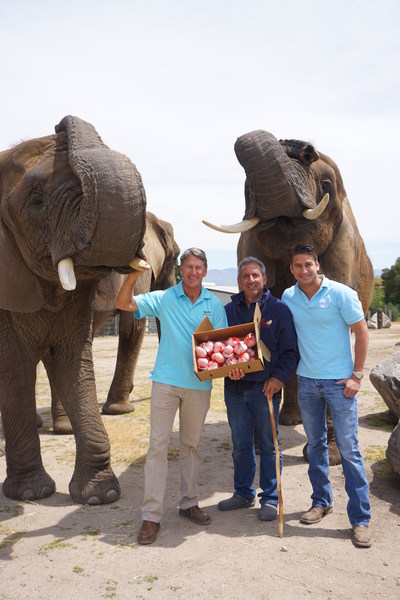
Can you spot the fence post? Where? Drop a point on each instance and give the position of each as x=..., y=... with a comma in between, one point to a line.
x=379, y=318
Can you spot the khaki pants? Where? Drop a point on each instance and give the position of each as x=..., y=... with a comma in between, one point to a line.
x=193, y=406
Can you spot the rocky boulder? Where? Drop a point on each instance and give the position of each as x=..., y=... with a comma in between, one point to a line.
x=385, y=377
x=372, y=323
x=393, y=450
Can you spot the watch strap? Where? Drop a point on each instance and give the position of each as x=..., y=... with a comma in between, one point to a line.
x=358, y=374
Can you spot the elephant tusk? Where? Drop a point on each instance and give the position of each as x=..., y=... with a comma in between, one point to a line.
x=244, y=225
x=313, y=213
x=139, y=264
x=66, y=273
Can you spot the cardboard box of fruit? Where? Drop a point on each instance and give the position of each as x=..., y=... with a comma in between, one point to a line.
x=218, y=351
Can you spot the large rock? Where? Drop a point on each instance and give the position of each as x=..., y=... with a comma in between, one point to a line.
x=393, y=450
x=385, y=377
x=372, y=323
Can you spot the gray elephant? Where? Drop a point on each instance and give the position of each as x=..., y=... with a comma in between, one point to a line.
x=161, y=251
x=294, y=195
x=72, y=214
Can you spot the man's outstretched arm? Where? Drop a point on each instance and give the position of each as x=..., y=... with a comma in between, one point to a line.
x=125, y=299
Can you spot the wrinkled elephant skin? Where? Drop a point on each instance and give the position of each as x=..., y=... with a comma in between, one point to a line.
x=283, y=180
x=295, y=195
x=72, y=213
x=161, y=252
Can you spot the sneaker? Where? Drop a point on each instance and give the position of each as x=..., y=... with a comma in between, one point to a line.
x=315, y=514
x=267, y=512
x=362, y=536
x=235, y=502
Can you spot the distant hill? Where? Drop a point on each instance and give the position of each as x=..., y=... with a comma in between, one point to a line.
x=222, y=276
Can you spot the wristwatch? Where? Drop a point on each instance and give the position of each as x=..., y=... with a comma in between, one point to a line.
x=358, y=374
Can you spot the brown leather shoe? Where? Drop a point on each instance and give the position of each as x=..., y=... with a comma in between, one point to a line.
x=315, y=514
x=147, y=534
x=362, y=536
x=196, y=515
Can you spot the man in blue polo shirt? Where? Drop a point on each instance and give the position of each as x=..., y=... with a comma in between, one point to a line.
x=324, y=313
x=180, y=310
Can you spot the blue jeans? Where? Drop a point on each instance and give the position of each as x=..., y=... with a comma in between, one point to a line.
x=248, y=409
x=314, y=395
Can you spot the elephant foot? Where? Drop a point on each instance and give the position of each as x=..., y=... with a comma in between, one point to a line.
x=334, y=455
x=29, y=486
x=62, y=425
x=117, y=408
x=94, y=487
x=289, y=417
x=39, y=421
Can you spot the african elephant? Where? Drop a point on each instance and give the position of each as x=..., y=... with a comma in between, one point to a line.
x=161, y=251
x=72, y=218
x=294, y=195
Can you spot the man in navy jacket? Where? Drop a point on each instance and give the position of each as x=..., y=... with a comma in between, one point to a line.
x=246, y=394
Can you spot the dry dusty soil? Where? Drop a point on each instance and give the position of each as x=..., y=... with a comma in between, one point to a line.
x=56, y=549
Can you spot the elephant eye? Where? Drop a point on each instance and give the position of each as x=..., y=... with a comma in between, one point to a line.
x=36, y=199
x=326, y=186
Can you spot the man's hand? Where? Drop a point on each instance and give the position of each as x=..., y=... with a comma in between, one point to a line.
x=236, y=374
x=352, y=385
x=272, y=385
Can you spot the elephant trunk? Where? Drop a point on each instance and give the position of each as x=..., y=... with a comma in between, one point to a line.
x=275, y=184
x=106, y=224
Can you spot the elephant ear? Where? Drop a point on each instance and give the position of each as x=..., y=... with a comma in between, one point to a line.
x=20, y=290
x=163, y=263
x=107, y=291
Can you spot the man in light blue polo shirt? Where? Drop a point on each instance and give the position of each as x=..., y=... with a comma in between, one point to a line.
x=180, y=310
x=324, y=312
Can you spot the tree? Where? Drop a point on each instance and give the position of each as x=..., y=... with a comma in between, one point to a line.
x=178, y=275
x=378, y=296
x=391, y=283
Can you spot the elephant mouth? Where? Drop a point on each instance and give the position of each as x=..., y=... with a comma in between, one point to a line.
x=67, y=276
x=311, y=214
x=124, y=270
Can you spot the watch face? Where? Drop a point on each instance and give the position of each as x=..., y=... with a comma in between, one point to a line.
x=358, y=374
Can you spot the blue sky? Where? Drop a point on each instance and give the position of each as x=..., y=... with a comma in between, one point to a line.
x=173, y=83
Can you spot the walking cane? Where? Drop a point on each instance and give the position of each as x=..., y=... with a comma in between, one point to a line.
x=277, y=463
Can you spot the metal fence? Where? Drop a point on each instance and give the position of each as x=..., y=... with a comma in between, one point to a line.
x=112, y=325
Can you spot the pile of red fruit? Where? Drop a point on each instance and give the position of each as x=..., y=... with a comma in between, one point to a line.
x=213, y=355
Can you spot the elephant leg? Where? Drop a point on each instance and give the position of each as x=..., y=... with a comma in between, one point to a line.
x=131, y=333
x=334, y=455
x=61, y=423
x=290, y=411
x=93, y=481
x=2, y=444
x=26, y=477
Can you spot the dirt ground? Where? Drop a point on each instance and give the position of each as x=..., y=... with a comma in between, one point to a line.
x=56, y=549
